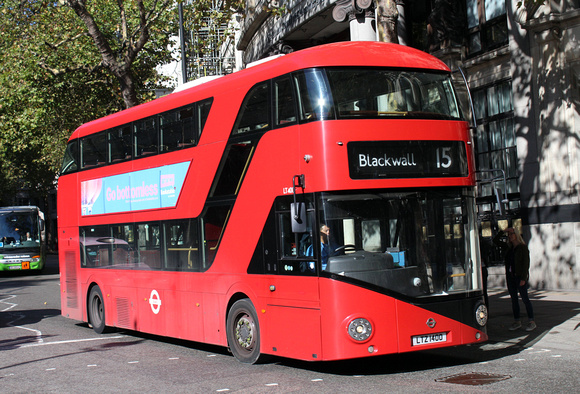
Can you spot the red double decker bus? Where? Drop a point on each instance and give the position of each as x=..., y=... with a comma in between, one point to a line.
x=319, y=206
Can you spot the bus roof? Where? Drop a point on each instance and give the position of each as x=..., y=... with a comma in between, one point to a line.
x=21, y=208
x=346, y=54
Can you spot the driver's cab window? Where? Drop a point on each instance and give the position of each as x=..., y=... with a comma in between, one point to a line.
x=297, y=254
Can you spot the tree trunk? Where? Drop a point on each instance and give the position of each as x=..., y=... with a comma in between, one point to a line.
x=121, y=70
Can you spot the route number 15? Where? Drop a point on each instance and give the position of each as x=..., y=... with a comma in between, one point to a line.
x=443, y=157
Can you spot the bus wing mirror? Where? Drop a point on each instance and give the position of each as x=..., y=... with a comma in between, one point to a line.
x=298, y=217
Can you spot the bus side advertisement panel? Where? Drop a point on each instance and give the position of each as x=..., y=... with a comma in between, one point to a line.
x=152, y=188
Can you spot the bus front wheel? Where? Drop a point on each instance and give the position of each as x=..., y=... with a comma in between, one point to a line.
x=96, y=310
x=243, y=331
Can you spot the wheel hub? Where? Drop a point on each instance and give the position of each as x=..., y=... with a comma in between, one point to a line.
x=244, y=333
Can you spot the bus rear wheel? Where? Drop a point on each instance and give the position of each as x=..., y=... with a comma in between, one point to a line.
x=96, y=310
x=243, y=331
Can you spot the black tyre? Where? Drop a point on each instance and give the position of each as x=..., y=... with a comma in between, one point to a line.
x=96, y=310
x=243, y=331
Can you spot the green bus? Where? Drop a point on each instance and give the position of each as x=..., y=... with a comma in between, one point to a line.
x=22, y=238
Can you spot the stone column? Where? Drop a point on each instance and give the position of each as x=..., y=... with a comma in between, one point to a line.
x=401, y=23
x=361, y=16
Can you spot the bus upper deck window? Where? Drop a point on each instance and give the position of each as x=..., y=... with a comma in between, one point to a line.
x=93, y=150
x=146, y=142
x=254, y=114
x=203, y=108
x=71, y=158
x=284, y=103
x=177, y=129
x=120, y=146
x=314, y=98
x=385, y=93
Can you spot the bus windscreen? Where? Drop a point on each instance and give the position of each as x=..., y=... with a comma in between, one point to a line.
x=376, y=93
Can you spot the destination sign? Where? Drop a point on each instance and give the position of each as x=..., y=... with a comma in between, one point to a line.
x=406, y=159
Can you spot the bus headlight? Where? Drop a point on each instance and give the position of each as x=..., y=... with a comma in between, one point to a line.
x=481, y=315
x=360, y=329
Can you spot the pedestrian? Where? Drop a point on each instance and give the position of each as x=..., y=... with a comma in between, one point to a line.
x=517, y=267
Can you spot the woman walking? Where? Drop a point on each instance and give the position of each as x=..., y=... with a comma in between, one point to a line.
x=517, y=266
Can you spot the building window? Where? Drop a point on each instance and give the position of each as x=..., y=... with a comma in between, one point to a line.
x=496, y=142
x=487, y=25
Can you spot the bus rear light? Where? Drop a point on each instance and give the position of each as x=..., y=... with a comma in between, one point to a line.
x=481, y=315
x=360, y=329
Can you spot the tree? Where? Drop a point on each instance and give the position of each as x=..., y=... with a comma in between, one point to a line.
x=57, y=73
x=64, y=63
x=119, y=45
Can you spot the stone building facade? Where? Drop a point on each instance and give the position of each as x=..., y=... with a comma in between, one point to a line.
x=522, y=65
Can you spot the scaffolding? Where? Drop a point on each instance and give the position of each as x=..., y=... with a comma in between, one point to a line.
x=210, y=47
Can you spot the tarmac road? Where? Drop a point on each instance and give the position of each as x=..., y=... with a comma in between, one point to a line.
x=41, y=351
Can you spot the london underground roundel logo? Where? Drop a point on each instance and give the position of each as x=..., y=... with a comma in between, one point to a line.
x=155, y=301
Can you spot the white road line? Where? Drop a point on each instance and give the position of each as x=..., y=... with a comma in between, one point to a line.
x=540, y=351
x=10, y=304
x=72, y=341
x=19, y=316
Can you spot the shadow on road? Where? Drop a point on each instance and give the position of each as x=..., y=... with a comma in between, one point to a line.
x=549, y=313
x=502, y=343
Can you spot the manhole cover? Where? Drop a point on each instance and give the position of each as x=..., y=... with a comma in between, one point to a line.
x=473, y=378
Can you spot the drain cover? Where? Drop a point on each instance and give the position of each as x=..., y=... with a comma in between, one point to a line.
x=473, y=378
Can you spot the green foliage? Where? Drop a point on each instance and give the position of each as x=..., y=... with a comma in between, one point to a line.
x=53, y=77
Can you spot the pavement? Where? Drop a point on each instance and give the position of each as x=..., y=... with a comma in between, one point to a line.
x=556, y=313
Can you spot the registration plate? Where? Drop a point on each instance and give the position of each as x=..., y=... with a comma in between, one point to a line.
x=429, y=338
